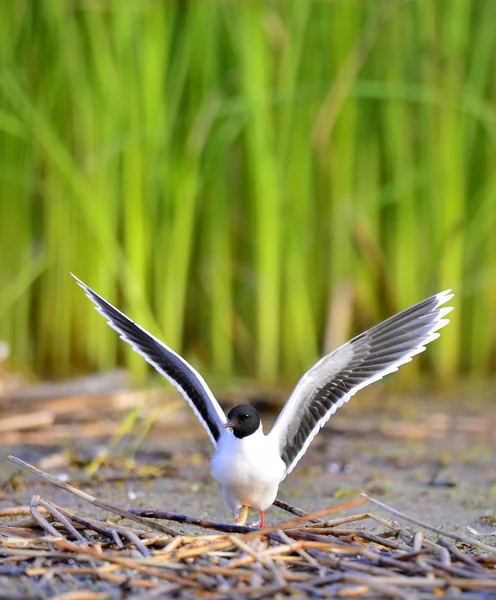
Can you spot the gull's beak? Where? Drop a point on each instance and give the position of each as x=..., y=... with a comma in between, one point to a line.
x=227, y=425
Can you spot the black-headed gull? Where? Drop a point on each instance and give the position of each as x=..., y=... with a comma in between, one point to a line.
x=250, y=465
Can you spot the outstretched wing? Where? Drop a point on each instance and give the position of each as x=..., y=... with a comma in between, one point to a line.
x=172, y=366
x=338, y=376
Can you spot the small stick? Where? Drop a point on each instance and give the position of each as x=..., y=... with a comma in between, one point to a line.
x=437, y=566
x=72, y=490
x=224, y=571
x=294, y=510
x=113, y=578
x=462, y=557
x=418, y=540
x=380, y=559
x=370, y=537
x=443, y=553
x=167, y=590
x=173, y=545
x=42, y=522
x=117, y=539
x=468, y=584
x=280, y=550
x=253, y=592
x=297, y=534
x=62, y=519
x=179, y=518
x=386, y=589
x=110, y=531
x=126, y=563
x=264, y=560
x=344, y=520
x=89, y=524
x=14, y=511
x=276, y=573
x=453, y=536
x=23, y=554
x=28, y=523
x=134, y=539
x=296, y=547
x=316, y=514
x=191, y=552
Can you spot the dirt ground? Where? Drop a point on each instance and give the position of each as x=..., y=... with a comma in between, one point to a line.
x=432, y=458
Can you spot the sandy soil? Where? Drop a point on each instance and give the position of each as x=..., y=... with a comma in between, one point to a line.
x=433, y=459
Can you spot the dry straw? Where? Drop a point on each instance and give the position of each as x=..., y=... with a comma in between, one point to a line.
x=308, y=555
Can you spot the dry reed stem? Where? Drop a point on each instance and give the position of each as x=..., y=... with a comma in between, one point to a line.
x=304, y=556
x=69, y=488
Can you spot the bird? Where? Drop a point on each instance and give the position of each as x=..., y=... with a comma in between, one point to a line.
x=250, y=465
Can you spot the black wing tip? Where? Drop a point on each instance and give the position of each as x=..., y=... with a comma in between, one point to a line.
x=77, y=279
x=81, y=284
x=100, y=302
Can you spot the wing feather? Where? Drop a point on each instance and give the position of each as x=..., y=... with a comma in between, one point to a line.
x=168, y=363
x=338, y=376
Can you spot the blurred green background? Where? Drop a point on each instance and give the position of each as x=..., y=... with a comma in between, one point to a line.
x=253, y=182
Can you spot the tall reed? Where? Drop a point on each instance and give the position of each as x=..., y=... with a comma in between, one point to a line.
x=254, y=182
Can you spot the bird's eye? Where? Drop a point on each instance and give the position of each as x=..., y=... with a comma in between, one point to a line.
x=245, y=417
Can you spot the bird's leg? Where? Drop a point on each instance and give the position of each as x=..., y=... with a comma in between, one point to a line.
x=243, y=515
x=262, y=519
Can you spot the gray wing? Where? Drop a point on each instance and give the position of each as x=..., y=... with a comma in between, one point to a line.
x=338, y=376
x=167, y=362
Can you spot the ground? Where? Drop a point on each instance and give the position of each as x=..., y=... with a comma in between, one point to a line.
x=429, y=456
x=432, y=457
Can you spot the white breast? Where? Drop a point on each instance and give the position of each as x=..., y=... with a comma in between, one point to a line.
x=249, y=470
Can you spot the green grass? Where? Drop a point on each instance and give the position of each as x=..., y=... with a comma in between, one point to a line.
x=254, y=182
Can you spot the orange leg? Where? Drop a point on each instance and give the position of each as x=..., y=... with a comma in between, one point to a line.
x=262, y=519
x=243, y=515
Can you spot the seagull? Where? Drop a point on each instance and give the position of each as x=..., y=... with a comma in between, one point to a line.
x=250, y=465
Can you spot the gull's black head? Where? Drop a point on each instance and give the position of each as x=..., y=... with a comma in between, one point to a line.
x=243, y=420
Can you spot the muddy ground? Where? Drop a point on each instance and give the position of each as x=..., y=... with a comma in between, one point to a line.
x=433, y=458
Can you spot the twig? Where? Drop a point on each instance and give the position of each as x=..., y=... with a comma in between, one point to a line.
x=308, y=517
x=300, y=556
x=89, y=524
x=294, y=510
x=14, y=511
x=61, y=518
x=180, y=518
x=453, y=536
x=41, y=520
x=124, y=562
x=461, y=556
x=134, y=539
x=300, y=551
x=91, y=499
x=251, y=531
x=386, y=589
